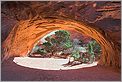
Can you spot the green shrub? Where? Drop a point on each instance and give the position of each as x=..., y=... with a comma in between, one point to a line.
x=41, y=51
x=76, y=54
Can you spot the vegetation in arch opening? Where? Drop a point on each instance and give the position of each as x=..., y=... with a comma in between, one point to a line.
x=58, y=44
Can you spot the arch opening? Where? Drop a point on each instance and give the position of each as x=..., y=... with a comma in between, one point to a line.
x=77, y=42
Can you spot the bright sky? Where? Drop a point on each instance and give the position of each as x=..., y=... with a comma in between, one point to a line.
x=51, y=33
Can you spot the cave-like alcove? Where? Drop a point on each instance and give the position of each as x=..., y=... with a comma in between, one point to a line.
x=25, y=26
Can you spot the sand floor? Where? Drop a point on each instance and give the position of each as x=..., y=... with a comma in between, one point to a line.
x=48, y=63
x=10, y=71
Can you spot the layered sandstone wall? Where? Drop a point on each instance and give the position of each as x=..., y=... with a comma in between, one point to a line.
x=24, y=23
x=104, y=14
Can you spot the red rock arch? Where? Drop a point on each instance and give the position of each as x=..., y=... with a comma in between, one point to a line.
x=24, y=35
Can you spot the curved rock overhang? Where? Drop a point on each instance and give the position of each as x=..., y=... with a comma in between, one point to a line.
x=26, y=33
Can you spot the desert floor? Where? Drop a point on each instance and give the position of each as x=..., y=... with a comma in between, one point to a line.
x=10, y=71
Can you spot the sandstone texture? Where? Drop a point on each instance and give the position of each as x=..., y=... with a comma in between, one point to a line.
x=23, y=23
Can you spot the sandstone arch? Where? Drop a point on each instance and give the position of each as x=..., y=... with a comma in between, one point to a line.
x=23, y=36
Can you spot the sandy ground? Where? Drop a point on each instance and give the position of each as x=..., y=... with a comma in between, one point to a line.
x=13, y=72
x=48, y=63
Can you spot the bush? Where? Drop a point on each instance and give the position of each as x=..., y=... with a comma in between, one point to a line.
x=41, y=51
x=75, y=54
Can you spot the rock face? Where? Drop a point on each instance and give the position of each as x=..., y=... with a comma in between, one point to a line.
x=103, y=14
x=34, y=19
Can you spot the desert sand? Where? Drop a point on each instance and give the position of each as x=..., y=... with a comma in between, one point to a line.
x=12, y=72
